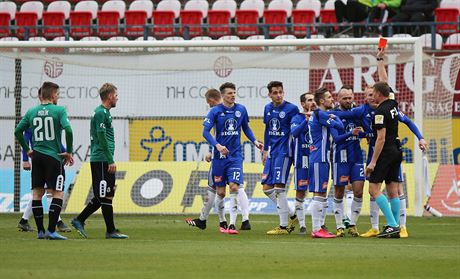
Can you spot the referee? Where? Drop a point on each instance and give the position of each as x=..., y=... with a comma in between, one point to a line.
x=386, y=159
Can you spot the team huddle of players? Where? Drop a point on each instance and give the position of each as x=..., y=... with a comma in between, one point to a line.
x=302, y=139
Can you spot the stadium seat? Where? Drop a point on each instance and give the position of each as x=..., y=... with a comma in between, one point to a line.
x=26, y=20
x=9, y=39
x=82, y=16
x=163, y=23
x=242, y=19
x=115, y=5
x=285, y=5
x=197, y=5
x=276, y=17
x=175, y=38
x=202, y=49
x=453, y=42
x=254, y=48
x=329, y=5
x=191, y=22
x=134, y=21
x=33, y=6
x=37, y=39
x=327, y=16
x=253, y=5
x=447, y=15
x=60, y=39
x=150, y=49
x=118, y=49
x=221, y=18
x=449, y=4
x=142, y=5
x=228, y=38
x=108, y=19
x=427, y=41
x=284, y=48
x=314, y=5
x=169, y=5
x=300, y=17
x=8, y=7
x=225, y=5
x=54, y=19
x=5, y=28
x=89, y=38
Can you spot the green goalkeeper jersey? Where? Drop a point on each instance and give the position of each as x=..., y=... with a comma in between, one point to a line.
x=47, y=122
x=102, y=136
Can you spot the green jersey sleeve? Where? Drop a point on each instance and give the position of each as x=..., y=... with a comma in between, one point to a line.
x=19, y=131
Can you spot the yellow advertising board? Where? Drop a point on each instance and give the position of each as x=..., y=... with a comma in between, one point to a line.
x=180, y=187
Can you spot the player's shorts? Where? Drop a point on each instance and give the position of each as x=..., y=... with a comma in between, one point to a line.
x=319, y=177
x=103, y=181
x=276, y=170
x=301, y=177
x=344, y=173
x=227, y=171
x=47, y=170
x=388, y=167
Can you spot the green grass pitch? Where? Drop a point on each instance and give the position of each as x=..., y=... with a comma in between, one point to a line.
x=166, y=247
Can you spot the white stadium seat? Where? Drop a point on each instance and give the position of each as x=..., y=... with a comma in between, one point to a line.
x=197, y=5
x=59, y=6
x=87, y=6
x=33, y=6
x=285, y=5
x=115, y=5
x=8, y=7
x=225, y=5
x=314, y=5
x=142, y=5
x=253, y=5
x=170, y=5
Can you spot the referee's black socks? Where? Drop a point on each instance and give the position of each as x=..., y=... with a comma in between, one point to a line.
x=37, y=209
x=107, y=211
x=54, y=212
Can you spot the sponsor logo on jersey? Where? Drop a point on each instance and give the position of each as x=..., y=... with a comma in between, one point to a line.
x=230, y=128
x=275, y=126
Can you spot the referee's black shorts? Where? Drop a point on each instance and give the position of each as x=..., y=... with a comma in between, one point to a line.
x=103, y=181
x=47, y=172
x=387, y=167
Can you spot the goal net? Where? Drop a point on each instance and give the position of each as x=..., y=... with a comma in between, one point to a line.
x=158, y=118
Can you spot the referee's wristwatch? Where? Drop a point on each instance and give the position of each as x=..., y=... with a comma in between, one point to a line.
x=379, y=58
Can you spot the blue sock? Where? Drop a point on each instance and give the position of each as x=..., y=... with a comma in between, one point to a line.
x=382, y=201
x=395, y=207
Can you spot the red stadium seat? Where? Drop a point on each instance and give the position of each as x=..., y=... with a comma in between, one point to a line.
x=221, y=18
x=5, y=30
x=276, y=17
x=446, y=15
x=453, y=42
x=80, y=24
x=302, y=17
x=193, y=21
x=327, y=16
x=53, y=23
x=26, y=19
x=247, y=17
x=163, y=24
x=108, y=24
x=135, y=18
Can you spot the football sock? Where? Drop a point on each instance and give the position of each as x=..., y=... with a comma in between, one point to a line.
x=90, y=208
x=300, y=211
x=402, y=211
x=28, y=211
x=316, y=213
x=208, y=204
x=220, y=208
x=338, y=213
x=324, y=212
x=374, y=214
x=107, y=212
x=243, y=201
x=37, y=209
x=282, y=205
x=54, y=212
x=349, y=201
x=271, y=194
x=356, y=206
x=382, y=201
x=233, y=207
x=395, y=208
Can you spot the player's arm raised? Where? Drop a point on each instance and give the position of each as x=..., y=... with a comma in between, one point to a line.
x=383, y=76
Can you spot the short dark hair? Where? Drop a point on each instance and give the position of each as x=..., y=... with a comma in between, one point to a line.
x=319, y=94
x=212, y=93
x=382, y=88
x=303, y=98
x=47, y=89
x=274, y=83
x=347, y=87
x=106, y=89
x=227, y=85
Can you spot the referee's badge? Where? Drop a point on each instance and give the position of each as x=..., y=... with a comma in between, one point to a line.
x=379, y=119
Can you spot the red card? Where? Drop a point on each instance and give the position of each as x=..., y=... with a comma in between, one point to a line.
x=382, y=43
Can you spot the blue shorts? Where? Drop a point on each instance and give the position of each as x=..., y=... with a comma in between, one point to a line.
x=301, y=179
x=276, y=170
x=226, y=171
x=319, y=177
x=344, y=173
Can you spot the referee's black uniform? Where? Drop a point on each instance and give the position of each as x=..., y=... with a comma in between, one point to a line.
x=389, y=161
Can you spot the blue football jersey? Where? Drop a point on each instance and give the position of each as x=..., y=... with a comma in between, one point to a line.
x=277, y=122
x=299, y=132
x=347, y=149
x=227, y=124
x=319, y=126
